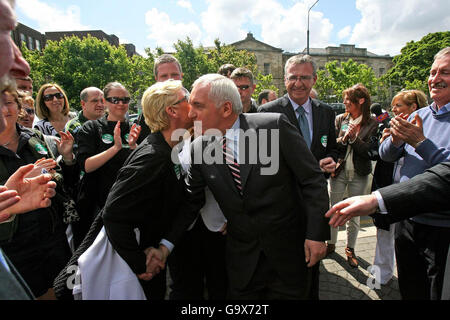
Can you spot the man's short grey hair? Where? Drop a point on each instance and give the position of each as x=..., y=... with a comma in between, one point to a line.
x=301, y=59
x=165, y=58
x=84, y=94
x=442, y=53
x=221, y=90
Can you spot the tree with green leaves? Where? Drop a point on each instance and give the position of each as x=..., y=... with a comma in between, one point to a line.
x=336, y=78
x=76, y=63
x=412, y=66
x=264, y=82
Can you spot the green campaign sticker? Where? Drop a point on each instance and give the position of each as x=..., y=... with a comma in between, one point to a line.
x=107, y=138
x=344, y=127
x=41, y=149
x=324, y=141
x=126, y=137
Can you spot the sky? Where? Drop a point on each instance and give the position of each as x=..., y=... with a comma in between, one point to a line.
x=381, y=26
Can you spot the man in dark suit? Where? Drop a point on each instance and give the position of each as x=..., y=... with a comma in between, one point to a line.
x=300, y=77
x=429, y=191
x=276, y=228
x=319, y=127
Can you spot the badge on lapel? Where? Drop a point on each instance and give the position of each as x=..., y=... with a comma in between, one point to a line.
x=324, y=141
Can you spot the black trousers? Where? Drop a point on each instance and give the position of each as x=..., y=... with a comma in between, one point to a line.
x=198, y=261
x=421, y=253
x=266, y=284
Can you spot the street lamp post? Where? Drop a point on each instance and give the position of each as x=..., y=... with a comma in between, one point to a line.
x=307, y=32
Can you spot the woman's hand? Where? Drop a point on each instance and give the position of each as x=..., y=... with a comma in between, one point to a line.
x=117, y=138
x=135, y=131
x=41, y=166
x=65, y=146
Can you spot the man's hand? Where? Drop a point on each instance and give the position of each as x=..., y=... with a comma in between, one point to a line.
x=327, y=165
x=409, y=132
x=314, y=251
x=33, y=193
x=156, y=260
x=346, y=209
x=223, y=230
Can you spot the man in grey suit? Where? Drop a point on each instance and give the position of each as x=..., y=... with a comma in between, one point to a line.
x=276, y=228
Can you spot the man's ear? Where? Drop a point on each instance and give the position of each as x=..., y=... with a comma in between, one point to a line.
x=83, y=104
x=361, y=101
x=227, y=109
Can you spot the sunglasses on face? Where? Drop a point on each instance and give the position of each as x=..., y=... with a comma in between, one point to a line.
x=116, y=100
x=30, y=111
x=185, y=98
x=49, y=97
x=243, y=87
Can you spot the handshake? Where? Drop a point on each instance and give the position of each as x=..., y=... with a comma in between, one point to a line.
x=156, y=260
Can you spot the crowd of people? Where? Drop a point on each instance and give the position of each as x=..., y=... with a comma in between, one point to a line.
x=190, y=185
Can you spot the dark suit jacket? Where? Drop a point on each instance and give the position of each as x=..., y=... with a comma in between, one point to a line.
x=146, y=195
x=272, y=216
x=323, y=125
x=429, y=191
x=13, y=287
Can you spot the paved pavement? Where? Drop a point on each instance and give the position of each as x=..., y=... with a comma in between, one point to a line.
x=338, y=281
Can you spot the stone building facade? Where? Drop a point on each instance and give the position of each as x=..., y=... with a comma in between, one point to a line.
x=272, y=60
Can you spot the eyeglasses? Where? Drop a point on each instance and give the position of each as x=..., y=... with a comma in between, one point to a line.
x=49, y=97
x=300, y=78
x=30, y=111
x=185, y=98
x=243, y=87
x=116, y=100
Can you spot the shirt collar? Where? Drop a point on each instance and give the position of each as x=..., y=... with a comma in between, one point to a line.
x=307, y=105
x=233, y=132
x=443, y=109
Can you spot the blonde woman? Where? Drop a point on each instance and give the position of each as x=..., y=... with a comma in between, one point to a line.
x=149, y=189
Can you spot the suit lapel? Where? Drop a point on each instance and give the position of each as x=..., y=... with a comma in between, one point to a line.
x=316, y=120
x=244, y=167
x=290, y=113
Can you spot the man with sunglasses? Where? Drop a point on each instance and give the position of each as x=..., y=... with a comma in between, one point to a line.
x=243, y=78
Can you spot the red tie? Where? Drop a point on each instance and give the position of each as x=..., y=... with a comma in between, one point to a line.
x=232, y=165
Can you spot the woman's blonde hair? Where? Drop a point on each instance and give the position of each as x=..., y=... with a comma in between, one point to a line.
x=410, y=97
x=156, y=99
x=41, y=109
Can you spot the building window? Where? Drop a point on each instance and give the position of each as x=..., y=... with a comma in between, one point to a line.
x=38, y=45
x=266, y=68
x=23, y=39
x=381, y=71
x=30, y=43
